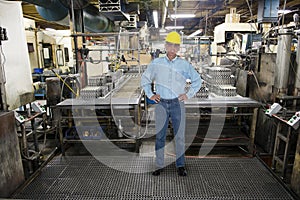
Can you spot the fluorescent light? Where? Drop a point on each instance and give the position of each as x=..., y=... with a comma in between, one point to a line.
x=176, y=16
x=195, y=33
x=284, y=12
x=50, y=29
x=163, y=33
x=174, y=27
x=155, y=18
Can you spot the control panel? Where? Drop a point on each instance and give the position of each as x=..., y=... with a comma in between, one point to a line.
x=37, y=107
x=275, y=108
x=20, y=118
x=294, y=120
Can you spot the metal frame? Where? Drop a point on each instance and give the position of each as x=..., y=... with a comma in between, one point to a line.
x=132, y=102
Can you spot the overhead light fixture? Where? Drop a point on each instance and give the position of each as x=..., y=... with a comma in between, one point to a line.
x=195, y=33
x=155, y=18
x=50, y=29
x=284, y=12
x=177, y=16
x=174, y=27
x=163, y=33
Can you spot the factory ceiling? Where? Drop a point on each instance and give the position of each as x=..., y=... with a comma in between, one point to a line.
x=208, y=13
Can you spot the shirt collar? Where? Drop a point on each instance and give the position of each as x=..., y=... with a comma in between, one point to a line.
x=172, y=59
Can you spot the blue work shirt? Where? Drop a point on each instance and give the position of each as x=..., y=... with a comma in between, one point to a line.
x=169, y=77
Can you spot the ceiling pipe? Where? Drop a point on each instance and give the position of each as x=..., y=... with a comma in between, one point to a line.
x=164, y=14
x=54, y=10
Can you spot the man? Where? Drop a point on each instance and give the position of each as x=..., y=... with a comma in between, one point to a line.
x=169, y=74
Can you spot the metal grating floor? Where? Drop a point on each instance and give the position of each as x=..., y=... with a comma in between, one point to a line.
x=84, y=177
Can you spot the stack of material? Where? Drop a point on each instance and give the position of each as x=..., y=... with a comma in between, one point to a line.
x=100, y=86
x=219, y=81
x=97, y=80
x=225, y=90
x=112, y=77
x=203, y=92
x=93, y=92
x=218, y=76
x=133, y=68
x=137, y=68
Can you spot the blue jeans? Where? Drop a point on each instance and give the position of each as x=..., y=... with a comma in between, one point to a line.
x=175, y=110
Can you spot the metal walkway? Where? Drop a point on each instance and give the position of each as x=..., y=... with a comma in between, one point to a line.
x=84, y=177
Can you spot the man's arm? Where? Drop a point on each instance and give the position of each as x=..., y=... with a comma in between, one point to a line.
x=146, y=81
x=196, y=82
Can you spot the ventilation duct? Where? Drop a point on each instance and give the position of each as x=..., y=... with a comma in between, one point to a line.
x=54, y=10
x=50, y=10
x=95, y=22
x=75, y=4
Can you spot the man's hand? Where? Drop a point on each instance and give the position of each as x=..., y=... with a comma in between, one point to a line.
x=182, y=97
x=155, y=98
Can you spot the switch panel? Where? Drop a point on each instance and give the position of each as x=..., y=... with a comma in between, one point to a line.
x=19, y=117
x=37, y=107
x=275, y=108
x=294, y=120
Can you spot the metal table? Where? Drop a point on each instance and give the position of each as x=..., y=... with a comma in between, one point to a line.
x=219, y=105
x=213, y=101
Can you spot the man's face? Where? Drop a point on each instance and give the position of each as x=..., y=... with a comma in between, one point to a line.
x=172, y=49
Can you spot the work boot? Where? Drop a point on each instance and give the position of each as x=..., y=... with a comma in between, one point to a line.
x=181, y=171
x=157, y=172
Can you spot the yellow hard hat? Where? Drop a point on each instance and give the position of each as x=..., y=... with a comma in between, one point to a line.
x=173, y=37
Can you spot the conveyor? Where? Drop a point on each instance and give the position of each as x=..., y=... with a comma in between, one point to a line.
x=128, y=94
